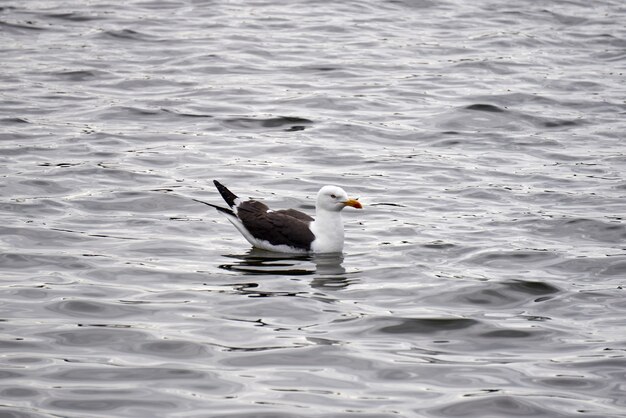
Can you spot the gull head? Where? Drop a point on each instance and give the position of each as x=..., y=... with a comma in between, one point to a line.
x=334, y=199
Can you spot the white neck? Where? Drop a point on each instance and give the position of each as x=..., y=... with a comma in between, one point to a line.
x=328, y=230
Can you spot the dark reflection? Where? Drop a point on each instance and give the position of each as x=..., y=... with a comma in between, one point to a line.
x=257, y=261
x=426, y=325
x=327, y=268
x=261, y=262
x=330, y=283
x=484, y=108
x=331, y=275
x=508, y=333
x=329, y=264
x=509, y=293
x=287, y=123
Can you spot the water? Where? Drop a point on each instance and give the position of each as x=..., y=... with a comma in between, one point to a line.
x=484, y=278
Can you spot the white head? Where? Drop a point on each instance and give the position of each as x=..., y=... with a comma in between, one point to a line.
x=333, y=199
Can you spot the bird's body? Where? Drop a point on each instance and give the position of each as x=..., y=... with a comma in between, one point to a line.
x=290, y=231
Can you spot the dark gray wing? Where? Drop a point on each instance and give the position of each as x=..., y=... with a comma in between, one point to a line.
x=278, y=228
x=296, y=214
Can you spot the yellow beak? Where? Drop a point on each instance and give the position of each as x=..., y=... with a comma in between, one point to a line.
x=354, y=203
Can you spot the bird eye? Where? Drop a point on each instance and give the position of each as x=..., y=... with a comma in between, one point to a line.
x=333, y=196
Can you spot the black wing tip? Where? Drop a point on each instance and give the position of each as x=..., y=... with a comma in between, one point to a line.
x=228, y=196
x=219, y=208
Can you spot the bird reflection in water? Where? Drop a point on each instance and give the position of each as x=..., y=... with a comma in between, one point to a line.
x=327, y=269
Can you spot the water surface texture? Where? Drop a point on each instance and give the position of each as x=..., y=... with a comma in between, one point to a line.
x=484, y=278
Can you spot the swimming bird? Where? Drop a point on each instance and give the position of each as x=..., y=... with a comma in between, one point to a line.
x=289, y=231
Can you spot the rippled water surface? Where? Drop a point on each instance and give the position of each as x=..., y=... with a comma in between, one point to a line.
x=484, y=278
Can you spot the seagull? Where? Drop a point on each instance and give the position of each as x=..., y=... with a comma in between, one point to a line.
x=289, y=231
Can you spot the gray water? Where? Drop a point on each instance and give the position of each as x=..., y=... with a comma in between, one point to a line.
x=484, y=277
